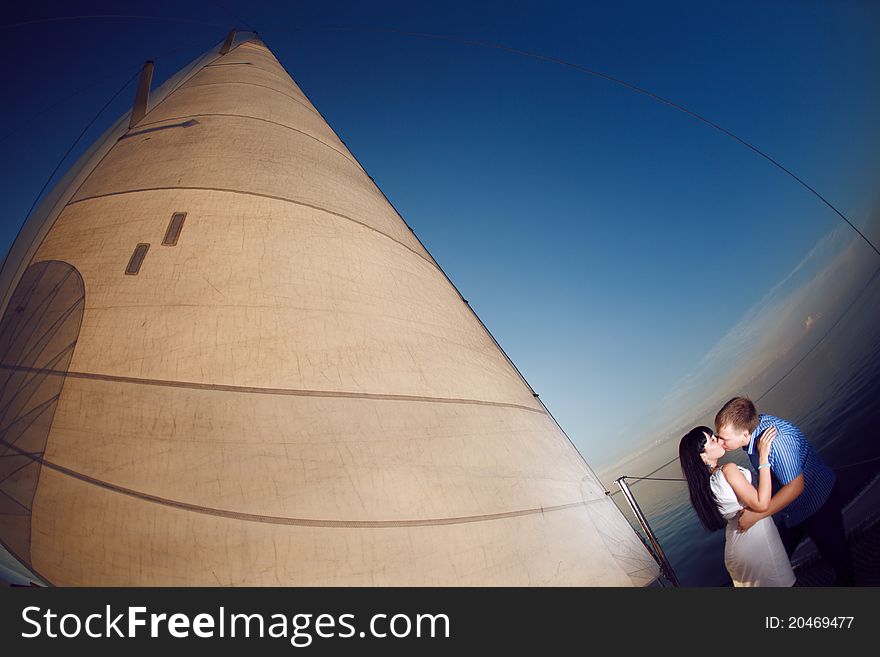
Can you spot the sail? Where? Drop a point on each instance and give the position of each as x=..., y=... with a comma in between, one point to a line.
x=227, y=360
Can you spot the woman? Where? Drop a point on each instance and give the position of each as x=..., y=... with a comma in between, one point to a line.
x=755, y=557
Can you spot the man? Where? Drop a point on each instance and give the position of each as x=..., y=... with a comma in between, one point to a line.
x=808, y=497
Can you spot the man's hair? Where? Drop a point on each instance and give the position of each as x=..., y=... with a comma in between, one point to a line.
x=739, y=413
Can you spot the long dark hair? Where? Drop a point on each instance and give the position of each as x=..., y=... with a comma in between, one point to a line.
x=697, y=474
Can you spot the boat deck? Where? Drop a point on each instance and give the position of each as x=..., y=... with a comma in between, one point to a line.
x=864, y=543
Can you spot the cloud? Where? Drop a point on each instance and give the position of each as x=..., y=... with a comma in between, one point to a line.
x=763, y=346
x=767, y=336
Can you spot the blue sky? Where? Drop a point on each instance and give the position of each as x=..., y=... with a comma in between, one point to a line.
x=614, y=246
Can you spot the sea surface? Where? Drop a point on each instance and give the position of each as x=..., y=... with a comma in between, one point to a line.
x=833, y=395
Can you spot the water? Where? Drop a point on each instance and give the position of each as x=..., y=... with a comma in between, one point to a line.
x=832, y=395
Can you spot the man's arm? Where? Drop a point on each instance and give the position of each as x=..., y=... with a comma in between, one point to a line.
x=784, y=496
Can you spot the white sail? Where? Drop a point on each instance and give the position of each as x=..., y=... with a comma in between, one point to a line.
x=287, y=391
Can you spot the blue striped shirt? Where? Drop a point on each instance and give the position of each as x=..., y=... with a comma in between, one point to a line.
x=792, y=455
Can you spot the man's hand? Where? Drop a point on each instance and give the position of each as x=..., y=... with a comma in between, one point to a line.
x=747, y=519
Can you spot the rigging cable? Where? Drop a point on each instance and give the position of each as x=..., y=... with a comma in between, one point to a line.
x=523, y=53
x=95, y=118
x=657, y=98
x=627, y=85
x=76, y=141
x=35, y=115
x=648, y=478
x=73, y=145
x=651, y=478
x=792, y=369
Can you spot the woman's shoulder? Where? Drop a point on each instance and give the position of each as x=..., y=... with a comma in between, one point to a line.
x=730, y=470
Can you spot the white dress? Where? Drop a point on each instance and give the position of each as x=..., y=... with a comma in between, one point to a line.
x=755, y=557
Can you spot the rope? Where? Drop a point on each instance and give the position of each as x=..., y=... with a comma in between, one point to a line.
x=76, y=141
x=657, y=469
x=840, y=467
x=35, y=115
x=617, y=81
x=674, y=105
x=811, y=350
x=652, y=479
x=95, y=118
x=827, y=333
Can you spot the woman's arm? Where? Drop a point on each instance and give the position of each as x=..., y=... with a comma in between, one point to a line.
x=757, y=500
x=745, y=492
x=784, y=496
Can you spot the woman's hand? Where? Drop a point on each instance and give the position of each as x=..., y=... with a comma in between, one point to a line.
x=765, y=442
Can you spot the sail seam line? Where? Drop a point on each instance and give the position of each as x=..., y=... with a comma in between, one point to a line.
x=301, y=522
x=274, y=74
x=187, y=85
x=254, y=118
x=218, y=387
x=260, y=195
